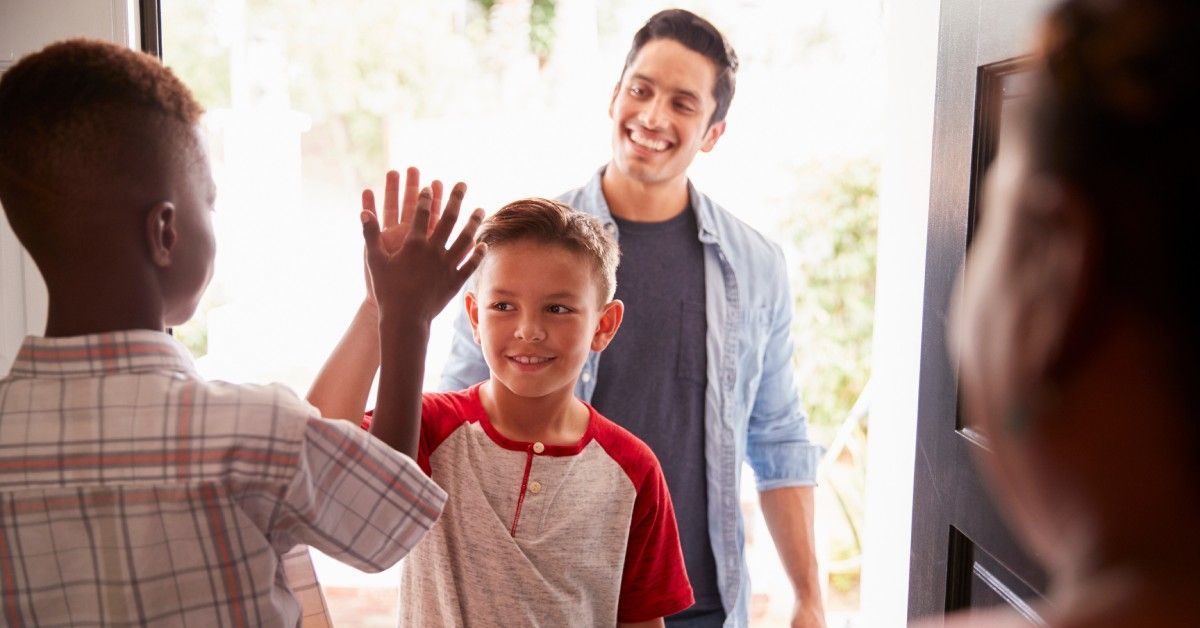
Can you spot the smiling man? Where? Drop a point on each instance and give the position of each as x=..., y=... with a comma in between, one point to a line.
x=702, y=368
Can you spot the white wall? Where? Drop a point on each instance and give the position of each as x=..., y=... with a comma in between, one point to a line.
x=26, y=26
x=911, y=49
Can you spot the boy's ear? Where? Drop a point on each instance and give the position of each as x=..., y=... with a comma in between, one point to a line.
x=610, y=320
x=161, y=233
x=711, y=136
x=472, y=304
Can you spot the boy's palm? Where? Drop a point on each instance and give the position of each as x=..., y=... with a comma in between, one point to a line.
x=398, y=216
x=417, y=274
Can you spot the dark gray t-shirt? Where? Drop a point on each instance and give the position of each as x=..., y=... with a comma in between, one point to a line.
x=651, y=379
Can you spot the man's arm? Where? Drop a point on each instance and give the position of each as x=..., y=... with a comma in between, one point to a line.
x=789, y=515
x=785, y=460
x=412, y=286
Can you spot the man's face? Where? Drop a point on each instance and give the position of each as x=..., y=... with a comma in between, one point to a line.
x=660, y=112
x=191, y=266
x=536, y=328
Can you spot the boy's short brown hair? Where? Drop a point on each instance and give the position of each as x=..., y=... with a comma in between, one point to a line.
x=550, y=222
x=78, y=111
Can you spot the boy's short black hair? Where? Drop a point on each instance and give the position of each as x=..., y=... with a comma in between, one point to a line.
x=80, y=108
x=551, y=222
x=699, y=35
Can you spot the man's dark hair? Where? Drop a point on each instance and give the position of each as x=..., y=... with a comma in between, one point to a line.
x=699, y=35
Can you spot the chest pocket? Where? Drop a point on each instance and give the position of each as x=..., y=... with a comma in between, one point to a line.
x=692, y=361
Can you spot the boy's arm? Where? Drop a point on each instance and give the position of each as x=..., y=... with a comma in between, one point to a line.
x=354, y=498
x=343, y=384
x=412, y=286
x=654, y=581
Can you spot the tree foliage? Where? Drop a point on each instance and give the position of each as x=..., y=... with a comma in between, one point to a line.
x=834, y=233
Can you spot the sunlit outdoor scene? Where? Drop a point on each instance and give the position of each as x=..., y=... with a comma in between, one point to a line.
x=310, y=101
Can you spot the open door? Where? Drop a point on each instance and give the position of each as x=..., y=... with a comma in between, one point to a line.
x=963, y=556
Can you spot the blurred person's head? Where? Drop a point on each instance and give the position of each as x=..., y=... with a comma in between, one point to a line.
x=106, y=183
x=543, y=295
x=1075, y=329
x=672, y=96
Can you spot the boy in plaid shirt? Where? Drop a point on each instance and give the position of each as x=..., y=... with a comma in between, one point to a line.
x=132, y=491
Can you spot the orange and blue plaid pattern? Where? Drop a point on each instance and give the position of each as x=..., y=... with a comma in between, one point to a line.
x=133, y=492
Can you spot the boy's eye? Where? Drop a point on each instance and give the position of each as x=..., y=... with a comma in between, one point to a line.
x=558, y=309
x=502, y=306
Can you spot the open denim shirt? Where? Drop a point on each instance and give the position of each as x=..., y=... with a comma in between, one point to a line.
x=752, y=410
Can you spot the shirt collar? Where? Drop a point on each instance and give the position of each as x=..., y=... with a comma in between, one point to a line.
x=130, y=351
x=705, y=213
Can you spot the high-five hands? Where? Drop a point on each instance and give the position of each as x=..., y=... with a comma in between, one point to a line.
x=398, y=214
x=411, y=270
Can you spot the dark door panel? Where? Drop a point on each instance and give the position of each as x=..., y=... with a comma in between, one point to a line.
x=963, y=555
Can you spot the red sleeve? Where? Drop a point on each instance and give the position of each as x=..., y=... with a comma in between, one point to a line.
x=441, y=414
x=654, y=581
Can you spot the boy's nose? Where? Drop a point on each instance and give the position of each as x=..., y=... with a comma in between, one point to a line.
x=530, y=331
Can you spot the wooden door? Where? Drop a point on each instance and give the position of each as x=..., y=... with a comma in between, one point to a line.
x=963, y=556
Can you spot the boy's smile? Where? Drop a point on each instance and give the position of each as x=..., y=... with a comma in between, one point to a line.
x=537, y=313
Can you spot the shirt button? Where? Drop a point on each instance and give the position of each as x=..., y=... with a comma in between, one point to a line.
x=538, y=448
x=587, y=377
x=535, y=487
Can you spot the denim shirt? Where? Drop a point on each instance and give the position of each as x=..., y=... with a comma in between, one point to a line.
x=752, y=410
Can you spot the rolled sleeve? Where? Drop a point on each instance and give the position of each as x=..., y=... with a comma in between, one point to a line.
x=778, y=447
x=780, y=465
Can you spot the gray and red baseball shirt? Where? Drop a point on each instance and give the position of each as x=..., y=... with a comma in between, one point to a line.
x=535, y=534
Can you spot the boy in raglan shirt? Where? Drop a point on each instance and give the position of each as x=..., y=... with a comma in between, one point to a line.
x=556, y=516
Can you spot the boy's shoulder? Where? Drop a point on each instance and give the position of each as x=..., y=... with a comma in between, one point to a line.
x=632, y=454
x=266, y=417
x=261, y=405
x=444, y=412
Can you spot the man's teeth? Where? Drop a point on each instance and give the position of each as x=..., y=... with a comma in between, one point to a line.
x=642, y=140
x=528, y=359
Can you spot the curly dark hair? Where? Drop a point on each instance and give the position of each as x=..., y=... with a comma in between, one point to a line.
x=84, y=108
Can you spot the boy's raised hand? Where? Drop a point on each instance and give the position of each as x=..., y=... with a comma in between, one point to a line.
x=398, y=215
x=412, y=271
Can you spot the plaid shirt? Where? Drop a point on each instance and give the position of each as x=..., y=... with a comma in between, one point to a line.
x=134, y=492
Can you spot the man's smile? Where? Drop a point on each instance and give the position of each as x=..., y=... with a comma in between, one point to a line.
x=645, y=141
